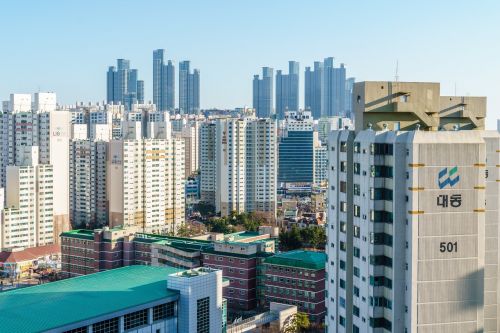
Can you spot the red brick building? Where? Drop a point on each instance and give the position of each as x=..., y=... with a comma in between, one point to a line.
x=89, y=251
x=239, y=256
x=296, y=278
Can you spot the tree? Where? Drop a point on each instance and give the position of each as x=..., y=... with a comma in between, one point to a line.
x=204, y=208
x=299, y=322
x=312, y=236
x=219, y=225
x=290, y=240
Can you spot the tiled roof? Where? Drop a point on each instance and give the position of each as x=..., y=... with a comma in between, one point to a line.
x=32, y=253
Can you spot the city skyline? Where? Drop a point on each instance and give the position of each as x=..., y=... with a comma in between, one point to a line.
x=362, y=47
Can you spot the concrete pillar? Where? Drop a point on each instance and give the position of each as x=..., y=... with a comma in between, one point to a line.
x=121, y=324
x=150, y=316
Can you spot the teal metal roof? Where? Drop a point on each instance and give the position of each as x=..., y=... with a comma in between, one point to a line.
x=56, y=304
x=299, y=258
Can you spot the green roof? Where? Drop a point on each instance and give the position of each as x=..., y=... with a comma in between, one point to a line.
x=56, y=304
x=242, y=235
x=79, y=233
x=299, y=258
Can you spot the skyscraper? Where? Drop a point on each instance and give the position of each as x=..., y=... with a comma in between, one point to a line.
x=263, y=93
x=123, y=86
x=413, y=214
x=287, y=90
x=163, y=82
x=349, y=86
x=313, y=89
x=189, y=89
x=333, y=93
x=296, y=148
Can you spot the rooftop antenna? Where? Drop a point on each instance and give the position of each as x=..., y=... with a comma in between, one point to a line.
x=396, y=77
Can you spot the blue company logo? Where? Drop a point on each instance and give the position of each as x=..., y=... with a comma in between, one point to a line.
x=446, y=177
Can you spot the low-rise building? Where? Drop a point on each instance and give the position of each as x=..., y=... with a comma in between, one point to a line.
x=239, y=256
x=296, y=278
x=21, y=262
x=128, y=299
x=90, y=251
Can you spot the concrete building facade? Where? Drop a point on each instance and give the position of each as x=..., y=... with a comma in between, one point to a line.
x=413, y=215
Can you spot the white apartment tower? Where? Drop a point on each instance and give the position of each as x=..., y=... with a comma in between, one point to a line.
x=238, y=165
x=413, y=214
x=27, y=218
x=146, y=179
x=189, y=133
x=39, y=124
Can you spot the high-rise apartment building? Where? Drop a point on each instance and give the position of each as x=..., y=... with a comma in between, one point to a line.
x=190, y=135
x=27, y=219
x=287, y=90
x=189, y=89
x=333, y=91
x=349, y=86
x=413, y=214
x=238, y=165
x=87, y=186
x=263, y=93
x=146, y=176
x=313, y=89
x=208, y=162
x=123, y=85
x=39, y=124
x=163, y=82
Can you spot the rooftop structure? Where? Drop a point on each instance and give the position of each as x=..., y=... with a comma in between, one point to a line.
x=299, y=258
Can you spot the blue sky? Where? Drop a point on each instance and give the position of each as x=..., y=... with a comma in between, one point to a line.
x=66, y=46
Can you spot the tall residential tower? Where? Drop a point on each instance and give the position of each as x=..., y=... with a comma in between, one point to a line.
x=189, y=89
x=263, y=93
x=163, y=82
x=413, y=215
x=287, y=90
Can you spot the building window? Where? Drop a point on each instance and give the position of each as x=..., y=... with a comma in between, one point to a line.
x=135, y=319
x=343, y=206
x=106, y=326
x=356, y=189
x=163, y=311
x=342, y=321
x=357, y=252
x=343, y=187
x=343, y=227
x=357, y=147
x=343, y=146
x=357, y=210
x=78, y=330
x=343, y=166
x=203, y=315
x=356, y=231
x=356, y=168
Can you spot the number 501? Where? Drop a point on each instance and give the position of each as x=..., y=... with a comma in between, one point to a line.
x=448, y=247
